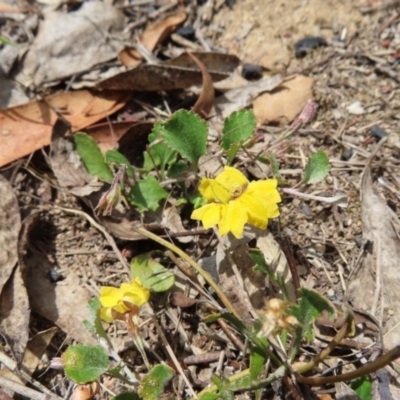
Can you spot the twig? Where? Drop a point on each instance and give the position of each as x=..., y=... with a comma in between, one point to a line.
x=239, y=279
x=173, y=357
x=109, y=238
x=370, y=368
x=378, y=278
x=191, y=262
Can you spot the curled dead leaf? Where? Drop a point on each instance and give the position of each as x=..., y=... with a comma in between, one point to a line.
x=151, y=37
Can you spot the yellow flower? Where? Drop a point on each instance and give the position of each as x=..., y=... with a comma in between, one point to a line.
x=233, y=202
x=122, y=299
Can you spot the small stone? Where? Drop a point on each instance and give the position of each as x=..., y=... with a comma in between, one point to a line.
x=303, y=46
x=251, y=72
x=187, y=32
x=347, y=154
x=377, y=132
x=356, y=108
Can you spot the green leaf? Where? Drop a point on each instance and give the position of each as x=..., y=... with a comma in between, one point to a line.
x=92, y=157
x=250, y=333
x=7, y=42
x=152, y=274
x=186, y=133
x=146, y=194
x=152, y=385
x=85, y=363
x=94, y=324
x=258, y=257
x=311, y=306
x=158, y=154
x=363, y=387
x=317, y=168
x=257, y=366
x=275, y=169
x=238, y=127
x=127, y=396
x=223, y=387
x=177, y=168
x=114, y=157
x=210, y=396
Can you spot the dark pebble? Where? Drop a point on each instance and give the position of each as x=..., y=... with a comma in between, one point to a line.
x=303, y=46
x=187, y=32
x=347, y=155
x=252, y=72
x=230, y=3
x=377, y=132
x=54, y=276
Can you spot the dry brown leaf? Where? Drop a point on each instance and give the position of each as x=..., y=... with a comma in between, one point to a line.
x=285, y=103
x=252, y=296
x=63, y=303
x=73, y=42
x=241, y=97
x=67, y=165
x=205, y=101
x=275, y=258
x=151, y=37
x=10, y=225
x=107, y=134
x=27, y=128
x=15, y=314
x=171, y=219
x=8, y=8
x=178, y=299
x=36, y=349
x=377, y=227
x=179, y=73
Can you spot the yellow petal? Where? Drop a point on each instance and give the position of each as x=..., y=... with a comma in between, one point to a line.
x=206, y=190
x=232, y=181
x=265, y=191
x=233, y=220
x=257, y=213
x=109, y=296
x=106, y=315
x=220, y=193
x=209, y=215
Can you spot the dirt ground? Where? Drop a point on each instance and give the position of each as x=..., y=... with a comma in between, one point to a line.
x=59, y=256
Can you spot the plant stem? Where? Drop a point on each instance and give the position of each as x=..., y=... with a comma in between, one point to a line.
x=191, y=262
x=370, y=368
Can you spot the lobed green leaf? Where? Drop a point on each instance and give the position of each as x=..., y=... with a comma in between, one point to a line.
x=114, y=157
x=238, y=127
x=147, y=193
x=186, y=133
x=152, y=385
x=152, y=274
x=84, y=363
x=317, y=168
x=92, y=157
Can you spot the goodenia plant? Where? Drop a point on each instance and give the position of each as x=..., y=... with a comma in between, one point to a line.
x=228, y=201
